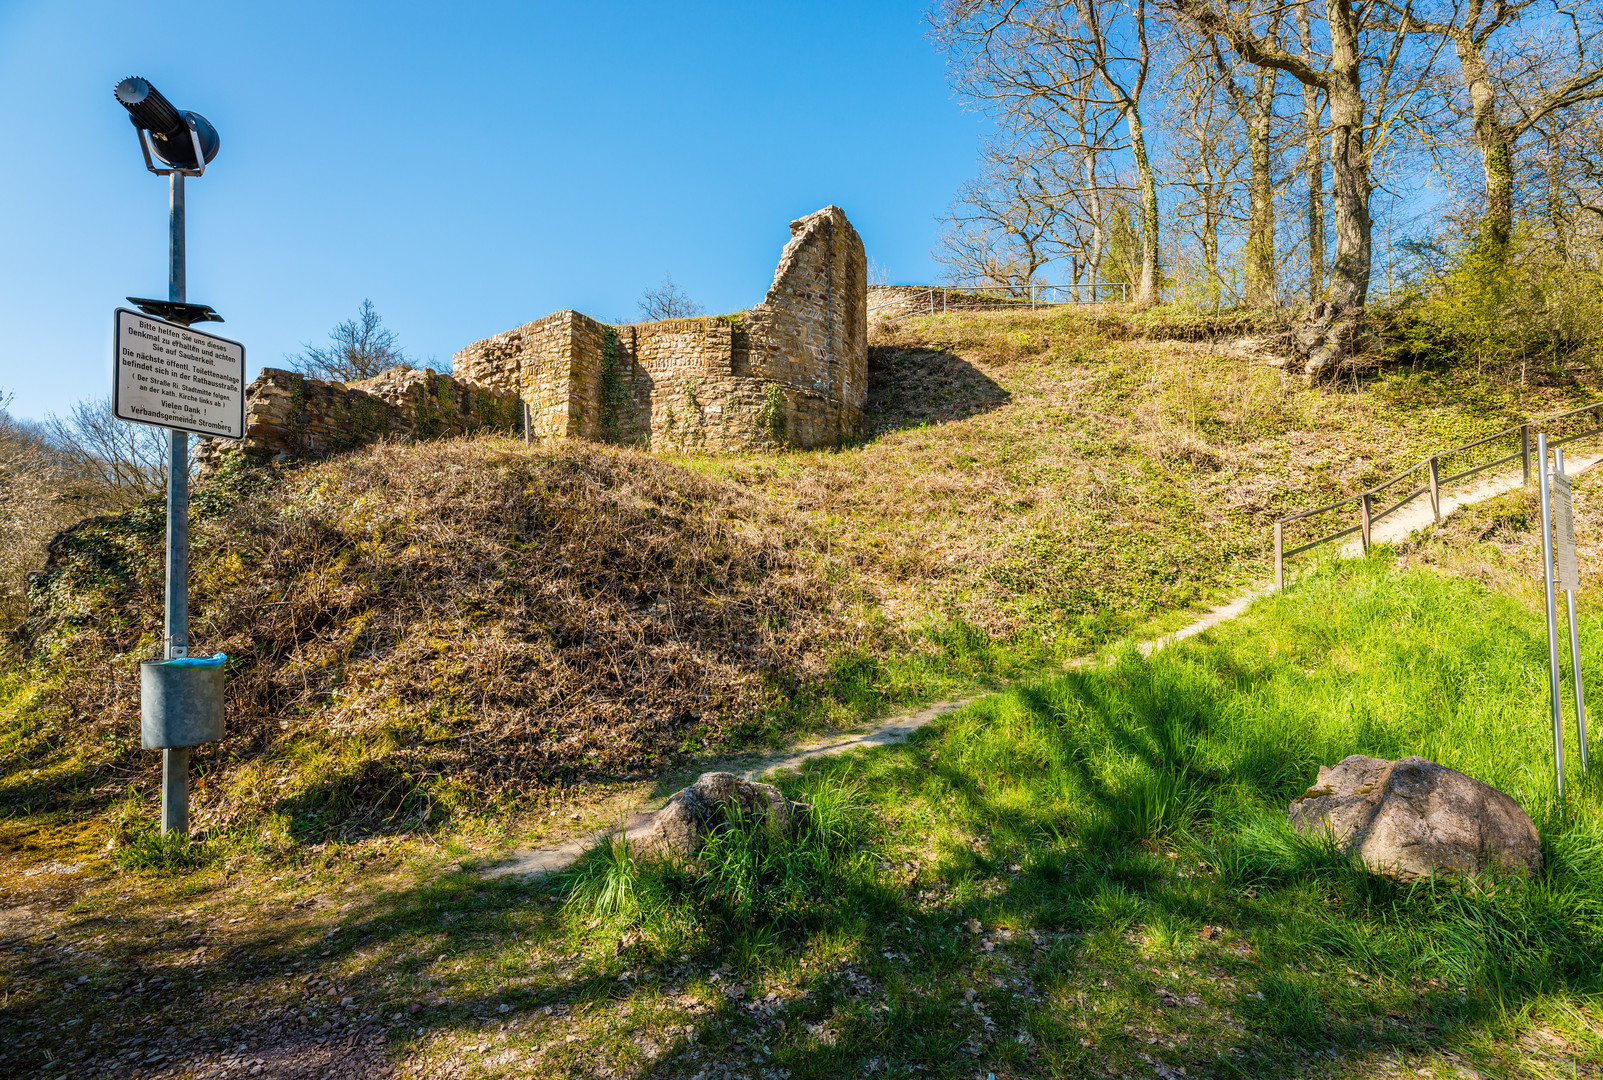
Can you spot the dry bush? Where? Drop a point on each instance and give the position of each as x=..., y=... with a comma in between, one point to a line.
x=54, y=474
x=468, y=610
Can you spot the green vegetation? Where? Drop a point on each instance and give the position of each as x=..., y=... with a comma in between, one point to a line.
x=1087, y=875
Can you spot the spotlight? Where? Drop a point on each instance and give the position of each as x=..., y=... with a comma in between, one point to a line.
x=182, y=140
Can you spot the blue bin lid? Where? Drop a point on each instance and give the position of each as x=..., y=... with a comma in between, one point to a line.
x=197, y=661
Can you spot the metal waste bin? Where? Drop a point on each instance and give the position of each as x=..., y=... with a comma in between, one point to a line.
x=181, y=701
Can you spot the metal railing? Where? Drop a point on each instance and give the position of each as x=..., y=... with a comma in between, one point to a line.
x=938, y=299
x=1431, y=481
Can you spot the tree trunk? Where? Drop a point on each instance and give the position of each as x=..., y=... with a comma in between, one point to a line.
x=1210, y=246
x=1495, y=146
x=1146, y=291
x=1333, y=323
x=1261, y=289
x=1311, y=108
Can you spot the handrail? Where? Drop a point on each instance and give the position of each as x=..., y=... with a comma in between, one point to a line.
x=933, y=299
x=1368, y=516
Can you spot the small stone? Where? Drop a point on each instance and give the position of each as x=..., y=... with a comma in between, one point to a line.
x=503, y=1008
x=704, y=808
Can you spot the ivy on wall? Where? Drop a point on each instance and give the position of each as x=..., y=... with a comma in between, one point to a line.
x=613, y=393
x=771, y=417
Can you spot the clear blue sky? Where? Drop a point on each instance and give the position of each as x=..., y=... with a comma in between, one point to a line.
x=468, y=167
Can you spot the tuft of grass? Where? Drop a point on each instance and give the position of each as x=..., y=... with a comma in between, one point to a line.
x=174, y=854
x=744, y=881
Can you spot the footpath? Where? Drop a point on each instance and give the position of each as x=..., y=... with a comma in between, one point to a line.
x=538, y=862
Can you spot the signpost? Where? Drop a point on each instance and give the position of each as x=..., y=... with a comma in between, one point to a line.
x=165, y=374
x=1560, y=570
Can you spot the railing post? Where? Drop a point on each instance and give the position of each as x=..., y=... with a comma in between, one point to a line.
x=1364, y=507
x=1435, y=490
x=1525, y=450
x=1280, y=558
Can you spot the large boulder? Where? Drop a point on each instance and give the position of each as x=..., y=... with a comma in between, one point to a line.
x=708, y=807
x=1413, y=818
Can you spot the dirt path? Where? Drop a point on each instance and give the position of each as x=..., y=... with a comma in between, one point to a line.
x=537, y=862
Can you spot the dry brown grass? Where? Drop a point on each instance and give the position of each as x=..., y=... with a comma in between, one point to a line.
x=1067, y=477
x=470, y=611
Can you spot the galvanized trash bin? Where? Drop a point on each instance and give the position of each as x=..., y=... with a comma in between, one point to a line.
x=181, y=701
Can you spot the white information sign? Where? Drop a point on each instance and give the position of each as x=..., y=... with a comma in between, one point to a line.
x=171, y=376
x=1566, y=569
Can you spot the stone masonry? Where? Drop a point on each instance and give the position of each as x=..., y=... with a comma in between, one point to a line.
x=791, y=371
x=290, y=415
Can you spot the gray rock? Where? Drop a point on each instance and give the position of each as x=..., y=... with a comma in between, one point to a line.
x=1412, y=818
x=705, y=808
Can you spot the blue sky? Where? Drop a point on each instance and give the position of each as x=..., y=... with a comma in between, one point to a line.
x=468, y=167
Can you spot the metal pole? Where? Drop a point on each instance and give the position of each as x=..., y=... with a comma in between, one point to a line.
x=1552, y=619
x=1435, y=490
x=1364, y=507
x=525, y=423
x=175, y=791
x=1575, y=650
x=175, y=762
x=1280, y=559
x=1580, y=694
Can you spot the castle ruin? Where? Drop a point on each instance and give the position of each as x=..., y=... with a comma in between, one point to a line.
x=791, y=371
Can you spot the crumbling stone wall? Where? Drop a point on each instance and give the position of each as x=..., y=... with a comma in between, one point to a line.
x=791, y=371
x=290, y=415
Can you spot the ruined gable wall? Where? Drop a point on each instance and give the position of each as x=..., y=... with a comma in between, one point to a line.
x=811, y=330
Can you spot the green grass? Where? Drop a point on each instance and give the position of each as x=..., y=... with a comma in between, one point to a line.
x=1089, y=875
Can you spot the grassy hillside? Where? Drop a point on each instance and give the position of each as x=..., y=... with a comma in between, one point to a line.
x=1089, y=875
x=427, y=631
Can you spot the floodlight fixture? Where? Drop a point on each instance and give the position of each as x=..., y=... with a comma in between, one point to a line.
x=182, y=140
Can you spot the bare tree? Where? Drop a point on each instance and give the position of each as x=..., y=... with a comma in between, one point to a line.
x=1367, y=79
x=114, y=454
x=1004, y=226
x=1254, y=104
x=668, y=301
x=358, y=348
x=1033, y=57
x=1205, y=161
x=1513, y=89
x=55, y=474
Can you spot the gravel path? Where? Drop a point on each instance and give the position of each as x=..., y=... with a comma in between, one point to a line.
x=538, y=862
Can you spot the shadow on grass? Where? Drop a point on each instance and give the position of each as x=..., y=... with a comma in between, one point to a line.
x=911, y=387
x=1088, y=876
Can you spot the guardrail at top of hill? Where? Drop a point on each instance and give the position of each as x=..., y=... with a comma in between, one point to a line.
x=1433, y=480
x=900, y=301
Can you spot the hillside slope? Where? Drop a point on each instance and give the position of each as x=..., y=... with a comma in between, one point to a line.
x=417, y=629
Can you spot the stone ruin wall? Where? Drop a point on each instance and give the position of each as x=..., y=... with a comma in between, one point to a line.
x=288, y=415
x=791, y=371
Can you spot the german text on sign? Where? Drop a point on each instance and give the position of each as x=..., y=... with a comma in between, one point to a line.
x=175, y=377
x=1566, y=569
